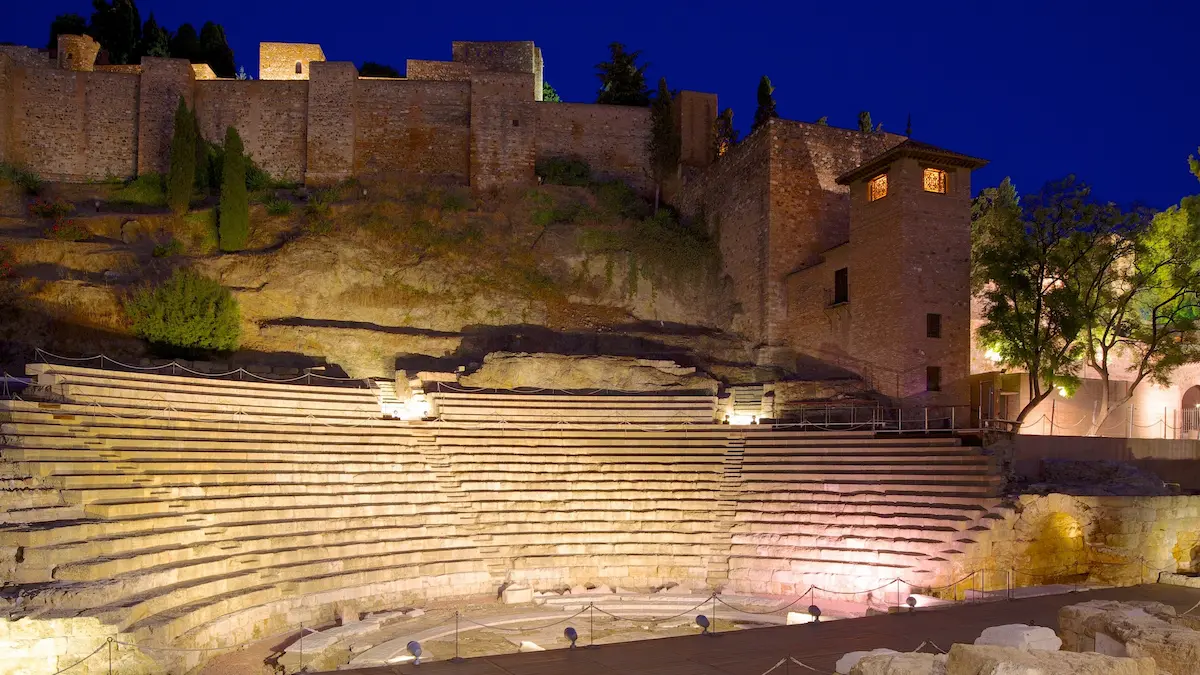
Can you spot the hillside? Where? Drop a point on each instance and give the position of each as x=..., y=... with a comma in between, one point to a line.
x=366, y=272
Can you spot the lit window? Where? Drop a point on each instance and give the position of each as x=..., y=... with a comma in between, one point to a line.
x=933, y=378
x=935, y=181
x=933, y=325
x=877, y=187
x=299, y=68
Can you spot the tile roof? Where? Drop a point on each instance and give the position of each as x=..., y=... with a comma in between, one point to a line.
x=911, y=148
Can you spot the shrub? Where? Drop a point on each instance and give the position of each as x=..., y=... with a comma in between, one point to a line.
x=564, y=171
x=234, y=211
x=318, y=211
x=181, y=179
x=50, y=208
x=65, y=229
x=172, y=247
x=278, y=207
x=27, y=180
x=617, y=199
x=148, y=189
x=187, y=312
x=7, y=260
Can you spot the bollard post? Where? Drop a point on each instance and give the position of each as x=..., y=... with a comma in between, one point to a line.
x=591, y=625
x=714, y=614
x=457, y=658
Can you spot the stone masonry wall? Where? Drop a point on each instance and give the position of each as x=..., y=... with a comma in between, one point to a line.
x=277, y=60
x=419, y=129
x=271, y=117
x=445, y=71
x=503, y=122
x=8, y=69
x=732, y=199
x=162, y=82
x=610, y=138
x=331, y=121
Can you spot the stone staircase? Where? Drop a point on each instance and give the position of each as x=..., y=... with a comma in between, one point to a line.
x=201, y=513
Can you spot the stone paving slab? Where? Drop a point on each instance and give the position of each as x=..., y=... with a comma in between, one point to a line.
x=751, y=652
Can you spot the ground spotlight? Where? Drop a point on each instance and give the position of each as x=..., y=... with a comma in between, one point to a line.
x=702, y=621
x=912, y=603
x=571, y=635
x=816, y=613
x=414, y=648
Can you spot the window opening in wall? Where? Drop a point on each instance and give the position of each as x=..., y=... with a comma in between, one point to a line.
x=933, y=378
x=877, y=187
x=935, y=181
x=299, y=68
x=516, y=123
x=841, y=286
x=933, y=325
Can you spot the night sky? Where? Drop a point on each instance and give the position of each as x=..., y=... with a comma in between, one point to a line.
x=1108, y=90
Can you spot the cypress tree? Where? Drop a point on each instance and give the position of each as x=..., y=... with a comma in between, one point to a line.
x=864, y=122
x=766, y=104
x=664, y=144
x=183, y=160
x=234, y=211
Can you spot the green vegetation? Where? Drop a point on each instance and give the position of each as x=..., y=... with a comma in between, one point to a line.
x=564, y=171
x=766, y=104
x=182, y=174
x=622, y=80
x=278, y=207
x=234, y=211
x=117, y=26
x=616, y=199
x=659, y=247
x=66, y=229
x=187, y=312
x=725, y=136
x=664, y=143
x=372, y=69
x=156, y=40
x=147, y=189
x=28, y=181
x=65, y=24
x=1070, y=283
x=864, y=122
x=198, y=229
x=548, y=93
x=52, y=209
x=172, y=247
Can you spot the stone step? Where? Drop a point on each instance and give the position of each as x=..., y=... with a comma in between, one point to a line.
x=25, y=453
x=147, y=507
x=146, y=378
x=183, y=389
x=113, y=398
x=318, y=476
x=580, y=399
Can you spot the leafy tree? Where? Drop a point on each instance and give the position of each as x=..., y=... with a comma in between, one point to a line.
x=182, y=174
x=864, y=122
x=725, y=136
x=548, y=93
x=372, y=69
x=1141, y=295
x=766, y=104
x=1194, y=164
x=241, y=74
x=822, y=121
x=187, y=312
x=185, y=44
x=1030, y=258
x=664, y=143
x=118, y=28
x=65, y=24
x=215, y=50
x=234, y=211
x=622, y=80
x=156, y=41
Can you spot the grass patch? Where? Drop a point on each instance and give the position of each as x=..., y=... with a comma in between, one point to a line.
x=170, y=248
x=66, y=229
x=52, y=209
x=659, y=247
x=564, y=171
x=278, y=207
x=23, y=178
x=147, y=190
x=197, y=230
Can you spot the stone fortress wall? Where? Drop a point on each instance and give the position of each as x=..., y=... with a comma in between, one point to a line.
x=476, y=119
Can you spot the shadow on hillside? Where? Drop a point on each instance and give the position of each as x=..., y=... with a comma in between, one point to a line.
x=301, y=322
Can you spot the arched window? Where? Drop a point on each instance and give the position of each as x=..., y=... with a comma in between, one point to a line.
x=299, y=68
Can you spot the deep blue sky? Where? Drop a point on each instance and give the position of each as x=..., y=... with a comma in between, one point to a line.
x=1107, y=90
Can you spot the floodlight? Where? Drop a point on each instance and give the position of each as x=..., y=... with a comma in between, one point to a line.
x=571, y=635
x=816, y=613
x=912, y=603
x=702, y=621
x=414, y=648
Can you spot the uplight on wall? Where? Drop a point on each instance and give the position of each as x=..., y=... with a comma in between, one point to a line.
x=742, y=420
x=414, y=408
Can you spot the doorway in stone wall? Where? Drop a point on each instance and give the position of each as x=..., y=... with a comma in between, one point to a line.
x=1190, y=412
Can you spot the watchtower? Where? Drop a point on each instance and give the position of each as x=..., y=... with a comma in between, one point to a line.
x=77, y=52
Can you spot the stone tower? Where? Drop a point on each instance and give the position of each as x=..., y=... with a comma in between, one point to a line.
x=908, y=271
x=77, y=52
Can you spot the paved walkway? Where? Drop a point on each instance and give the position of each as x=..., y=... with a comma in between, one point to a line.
x=752, y=652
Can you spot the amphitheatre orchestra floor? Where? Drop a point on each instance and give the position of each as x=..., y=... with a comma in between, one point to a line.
x=753, y=652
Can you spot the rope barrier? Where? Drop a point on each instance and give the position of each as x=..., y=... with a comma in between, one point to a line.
x=529, y=628
x=174, y=365
x=104, y=644
x=656, y=620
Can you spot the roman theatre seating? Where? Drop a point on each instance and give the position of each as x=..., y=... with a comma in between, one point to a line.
x=199, y=512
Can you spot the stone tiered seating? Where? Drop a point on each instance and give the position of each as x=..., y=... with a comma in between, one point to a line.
x=464, y=406
x=850, y=510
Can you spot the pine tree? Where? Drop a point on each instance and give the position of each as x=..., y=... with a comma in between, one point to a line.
x=183, y=160
x=185, y=44
x=156, y=41
x=622, y=80
x=215, y=50
x=908, y=127
x=548, y=94
x=234, y=208
x=766, y=104
x=65, y=24
x=117, y=26
x=822, y=121
x=864, y=122
x=724, y=135
x=664, y=143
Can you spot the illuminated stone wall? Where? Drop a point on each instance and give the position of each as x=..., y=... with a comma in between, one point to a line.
x=278, y=60
x=610, y=138
x=415, y=129
x=77, y=52
x=270, y=116
x=162, y=83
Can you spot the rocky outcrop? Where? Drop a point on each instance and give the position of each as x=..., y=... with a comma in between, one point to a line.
x=992, y=660
x=914, y=663
x=504, y=370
